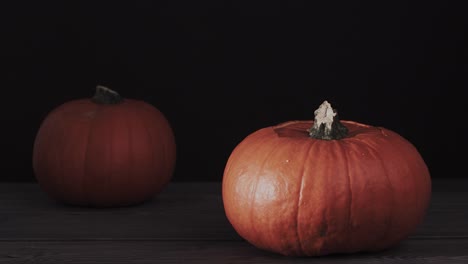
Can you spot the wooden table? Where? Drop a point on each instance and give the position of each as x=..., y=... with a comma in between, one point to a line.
x=187, y=224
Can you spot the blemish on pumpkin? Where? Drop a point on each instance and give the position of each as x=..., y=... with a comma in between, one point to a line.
x=323, y=229
x=90, y=114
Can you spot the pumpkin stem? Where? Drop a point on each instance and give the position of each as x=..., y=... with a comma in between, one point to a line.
x=327, y=125
x=105, y=95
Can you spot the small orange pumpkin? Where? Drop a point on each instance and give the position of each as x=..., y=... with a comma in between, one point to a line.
x=104, y=151
x=310, y=188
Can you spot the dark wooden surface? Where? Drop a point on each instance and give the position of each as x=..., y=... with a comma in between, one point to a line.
x=186, y=224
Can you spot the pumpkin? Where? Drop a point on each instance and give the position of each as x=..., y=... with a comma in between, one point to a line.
x=312, y=188
x=104, y=151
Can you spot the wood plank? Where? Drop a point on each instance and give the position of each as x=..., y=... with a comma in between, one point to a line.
x=447, y=216
x=184, y=211
x=450, y=251
x=174, y=215
x=17, y=190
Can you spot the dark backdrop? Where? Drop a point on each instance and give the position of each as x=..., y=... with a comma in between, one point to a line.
x=220, y=70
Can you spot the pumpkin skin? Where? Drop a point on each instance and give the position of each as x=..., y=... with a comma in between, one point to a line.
x=102, y=155
x=288, y=193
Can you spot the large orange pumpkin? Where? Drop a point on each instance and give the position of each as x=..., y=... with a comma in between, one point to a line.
x=104, y=151
x=310, y=188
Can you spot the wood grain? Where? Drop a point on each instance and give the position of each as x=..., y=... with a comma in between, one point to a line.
x=189, y=213
x=186, y=224
x=184, y=211
x=412, y=251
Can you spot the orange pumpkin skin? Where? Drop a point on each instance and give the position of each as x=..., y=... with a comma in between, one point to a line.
x=286, y=192
x=104, y=155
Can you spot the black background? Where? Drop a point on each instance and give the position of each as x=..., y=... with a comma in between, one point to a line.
x=220, y=70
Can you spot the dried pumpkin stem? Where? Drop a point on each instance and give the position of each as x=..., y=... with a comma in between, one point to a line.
x=105, y=95
x=327, y=125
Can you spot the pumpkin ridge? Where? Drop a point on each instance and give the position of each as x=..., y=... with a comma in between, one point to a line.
x=111, y=162
x=85, y=160
x=322, y=226
x=260, y=169
x=65, y=149
x=58, y=156
x=107, y=177
x=382, y=163
x=350, y=189
x=151, y=142
x=131, y=149
x=390, y=221
x=61, y=158
x=137, y=119
x=126, y=119
x=306, y=157
x=323, y=232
